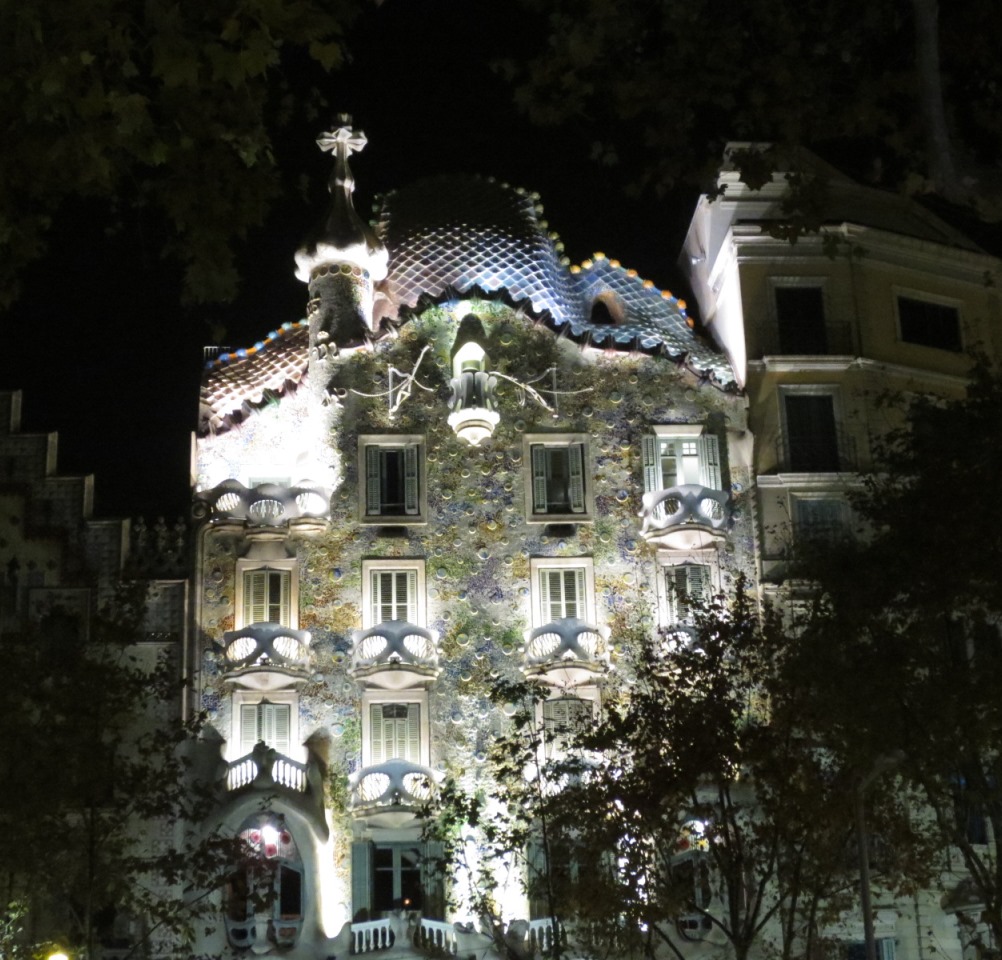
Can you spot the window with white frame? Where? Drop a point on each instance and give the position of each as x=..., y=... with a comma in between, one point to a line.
x=557, y=490
x=686, y=587
x=267, y=596
x=562, y=717
x=563, y=589
x=393, y=590
x=820, y=520
x=677, y=455
x=392, y=479
x=394, y=732
x=268, y=722
x=885, y=949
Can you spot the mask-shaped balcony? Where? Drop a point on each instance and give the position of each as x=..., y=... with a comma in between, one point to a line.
x=395, y=655
x=566, y=652
x=473, y=416
x=266, y=505
x=391, y=794
x=266, y=656
x=686, y=517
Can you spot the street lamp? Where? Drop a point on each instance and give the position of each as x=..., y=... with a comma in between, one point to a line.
x=881, y=766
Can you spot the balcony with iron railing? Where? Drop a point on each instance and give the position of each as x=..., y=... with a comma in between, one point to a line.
x=566, y=652
x=392, y=793
x=395, y=655
x=266, y=505
x=686, y=517
x=831, y=451
x=266, y=656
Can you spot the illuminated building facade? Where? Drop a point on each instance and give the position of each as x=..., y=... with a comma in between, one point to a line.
x=470, y=462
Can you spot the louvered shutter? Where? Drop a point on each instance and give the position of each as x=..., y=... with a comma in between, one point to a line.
x=411, y=479
x=575, y=487
x=409, y=584
x=361, y=879
x=651, y=462
x=255, y=597
x=279, y=582
x=413, y=733
x=549, y=595
x=248, y=728
x=573, y=582
x=709, y=461
x=539, y=498
x=275, y=722
x=377, y=749
x=373, y=481
x=699, y=582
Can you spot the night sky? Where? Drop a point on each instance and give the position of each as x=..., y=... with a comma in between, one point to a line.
x=107, y=356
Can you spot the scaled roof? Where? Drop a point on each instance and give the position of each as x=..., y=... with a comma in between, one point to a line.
x=473, y=236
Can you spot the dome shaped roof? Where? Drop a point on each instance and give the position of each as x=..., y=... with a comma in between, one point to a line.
x=462, y=235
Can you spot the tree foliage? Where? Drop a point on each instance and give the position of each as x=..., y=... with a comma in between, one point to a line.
x=693, y=806
x=910, y=624
x=664, y=86
x=160, y=110
x=99, y=849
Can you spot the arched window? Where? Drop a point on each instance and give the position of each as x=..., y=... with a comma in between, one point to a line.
x=264, y=902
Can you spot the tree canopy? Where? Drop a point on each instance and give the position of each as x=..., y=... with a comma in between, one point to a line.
x=906, y=95
x=160, y=111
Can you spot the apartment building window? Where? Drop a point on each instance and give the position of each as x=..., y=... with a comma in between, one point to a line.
x=392, y=590
x=800, y=320
x=811, y=432
x=820, y=520
x=270, y=722
x=267, y=596
x=677, y=455
x=396, y=876
x=393, y=482
x=557, y=489
x=394, y=732
x=562, y=717
x=563, y=588
x=929, y=324
x=687, y=587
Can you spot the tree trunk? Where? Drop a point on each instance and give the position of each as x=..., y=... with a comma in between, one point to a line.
x=930, y=88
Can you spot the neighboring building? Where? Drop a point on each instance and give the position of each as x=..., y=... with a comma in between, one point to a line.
x=830, y=337
x=59, y=569
x=471, y=461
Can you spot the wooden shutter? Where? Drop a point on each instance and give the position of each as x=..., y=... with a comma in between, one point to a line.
x=547, y=612
x=377, y=752
x=361, y=880
x=373, y=481
x=651, y=462
x=574, y=594
x=267, y=597
x=539, y=499
x=255, y=597
x=411, y=492
x=575, y=485
x=248, y=728
x=413, y=733
x=394, y=596
x=687, y=584
x=709, y=461
x=275, y=726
